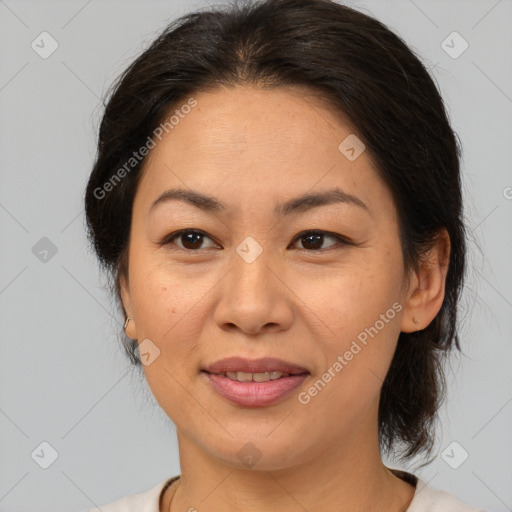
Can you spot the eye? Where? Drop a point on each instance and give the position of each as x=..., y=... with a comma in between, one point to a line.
x=313, y=240
x=191, y=239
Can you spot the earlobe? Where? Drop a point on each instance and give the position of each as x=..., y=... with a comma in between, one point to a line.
x=129, y=324
x=426, y=291
x=129, y=328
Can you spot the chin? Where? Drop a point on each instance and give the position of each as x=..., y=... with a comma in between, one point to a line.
x=259, y=452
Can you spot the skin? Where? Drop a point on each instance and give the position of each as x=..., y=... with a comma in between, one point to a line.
x=251, y=149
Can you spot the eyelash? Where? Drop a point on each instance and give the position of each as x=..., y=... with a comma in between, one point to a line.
x=341, y=241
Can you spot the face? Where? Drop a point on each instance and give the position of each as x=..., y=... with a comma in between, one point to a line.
x=320, y=285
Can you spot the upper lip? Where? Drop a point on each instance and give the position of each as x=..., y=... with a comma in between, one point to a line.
x=265, y=364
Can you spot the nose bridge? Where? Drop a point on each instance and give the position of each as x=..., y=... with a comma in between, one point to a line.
x=252, y=277
x=252, y=295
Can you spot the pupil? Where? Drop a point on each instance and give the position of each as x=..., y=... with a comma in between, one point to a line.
x=309, y=237
x=194, y=242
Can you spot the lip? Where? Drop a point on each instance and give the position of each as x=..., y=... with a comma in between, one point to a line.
x=254, y=394
x=264, y=364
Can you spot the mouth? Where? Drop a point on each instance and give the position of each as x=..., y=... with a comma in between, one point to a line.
x=258, y=389
x=257, y=370
x=257, y=376
x=254, y=382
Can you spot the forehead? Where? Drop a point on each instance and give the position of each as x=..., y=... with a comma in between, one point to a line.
x=279, y=142
x=267, y=122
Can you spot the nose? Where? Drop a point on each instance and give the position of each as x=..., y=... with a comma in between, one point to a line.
x=254, y=297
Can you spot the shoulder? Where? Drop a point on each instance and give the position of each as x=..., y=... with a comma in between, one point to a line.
x=147, y=501
x=429, y=499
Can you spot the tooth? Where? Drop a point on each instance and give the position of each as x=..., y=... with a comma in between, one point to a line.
x=254, y=377
x=260, y=377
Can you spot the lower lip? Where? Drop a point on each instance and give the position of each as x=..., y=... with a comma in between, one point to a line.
x=255, y=394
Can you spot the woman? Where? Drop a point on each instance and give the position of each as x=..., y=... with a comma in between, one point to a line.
x=277, y=200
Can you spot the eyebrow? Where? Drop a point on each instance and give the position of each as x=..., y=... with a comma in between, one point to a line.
x=299, y=204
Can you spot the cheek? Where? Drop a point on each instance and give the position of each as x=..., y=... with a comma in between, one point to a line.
x=168, y=303
x=160, y=305
x=352, y=298
x=168, y=312
x=360, y=310
x=357, y=351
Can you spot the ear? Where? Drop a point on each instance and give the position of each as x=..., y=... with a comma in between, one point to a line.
x=427, y=285
x=124, y=288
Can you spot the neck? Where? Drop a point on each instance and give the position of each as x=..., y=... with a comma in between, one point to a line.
x=350, y=477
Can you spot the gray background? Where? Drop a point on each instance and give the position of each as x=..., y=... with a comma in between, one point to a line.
x=63, y=377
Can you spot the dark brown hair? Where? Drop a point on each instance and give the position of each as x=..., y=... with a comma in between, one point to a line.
x=370, y=75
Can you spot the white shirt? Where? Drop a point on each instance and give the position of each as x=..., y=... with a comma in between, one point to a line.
x=426, y=499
